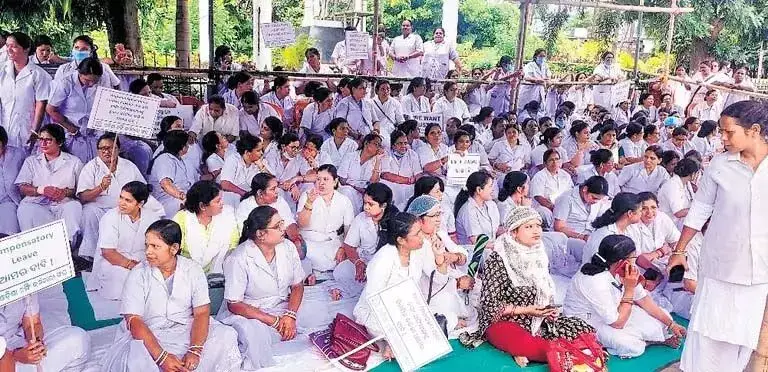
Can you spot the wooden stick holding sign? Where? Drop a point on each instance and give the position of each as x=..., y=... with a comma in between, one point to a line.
x=32, y=336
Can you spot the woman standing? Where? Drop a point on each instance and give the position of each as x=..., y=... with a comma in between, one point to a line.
x=121, y=241
x=476, y=95
x=24, y=90
x=400, y=169
x=208, y=226
x=537, y=75
x=732, y=264
x=499, y=94
x=438, y=54
x=606, y=72
x=624, y=314
x=516, y=313
x=83, y=47
x=264, y=288
x=48, y=182
x=167, y=173
x=167, y=324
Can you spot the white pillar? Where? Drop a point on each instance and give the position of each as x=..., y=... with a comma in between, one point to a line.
x=262, y=13
x=204, y=45
x=451, y=20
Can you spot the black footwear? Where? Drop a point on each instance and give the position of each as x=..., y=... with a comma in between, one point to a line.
x=82, y=264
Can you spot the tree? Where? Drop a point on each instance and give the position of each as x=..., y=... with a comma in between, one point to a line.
x=122, y=21
x=183, y=40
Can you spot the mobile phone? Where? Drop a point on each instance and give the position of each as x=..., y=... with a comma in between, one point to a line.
x=676, y=274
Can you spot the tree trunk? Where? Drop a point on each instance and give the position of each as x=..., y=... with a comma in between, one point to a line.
x=183, y=40
x=699, y=52
x=123, y=27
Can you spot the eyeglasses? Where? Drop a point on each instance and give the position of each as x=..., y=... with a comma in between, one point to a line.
x=104, y=148
x=280, y=226
x=45, y=139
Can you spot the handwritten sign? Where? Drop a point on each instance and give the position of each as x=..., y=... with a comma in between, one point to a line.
x=435, y=66
x=356, y=43
x=185, y=112
x=424, y=119
x=460, y=167
x=409, y=325
x=34, y=260
x=124, y=113
x=277, y=34
x=620, y=92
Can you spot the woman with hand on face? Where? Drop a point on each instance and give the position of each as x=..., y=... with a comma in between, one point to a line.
x=287, y=168
x=264, y=288
x=166, y=309
x=509, y=154
x=517, y=310
x=606, y=293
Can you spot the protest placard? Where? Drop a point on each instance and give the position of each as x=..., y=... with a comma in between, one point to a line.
x=34, y=260
x=277, y=34
x=620, y=92
x=460, y=167
x=356, y=43
x=409, y=325
x=124, y=113
x=435, y=66
x=185, y=112
x=425, y=119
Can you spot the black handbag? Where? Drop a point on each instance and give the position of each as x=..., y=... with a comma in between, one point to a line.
x=442, y=321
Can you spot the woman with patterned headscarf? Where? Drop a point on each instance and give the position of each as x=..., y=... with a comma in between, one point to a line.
x=517, y=313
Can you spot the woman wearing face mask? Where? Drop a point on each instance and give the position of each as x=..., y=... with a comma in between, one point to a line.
x=607, y=295
x=360, y=168
x=70, y=105
x=24, y=88
x=536, y=75
x=437, y=55
x=499, y=94
x=82, y=48
x=606, y=72
x=400, y=169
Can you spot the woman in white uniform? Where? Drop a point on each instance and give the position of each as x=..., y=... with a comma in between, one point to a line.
x=450, y=105
x=647, y=107
x=509, y=154
x=324, y=218
x=705, y=140
x=192, y=159
x=271, y=131
x=339, y=144
x=476, y=212
x=434, y=155
x=48, y=182
x=732, y=277
x=11, y=160
x=217, y=116
x=450, y=258
x=475, y=94
x=644, y=176
x=167, y=173
x=167, y=324
x=238, y=170
x=357, y=110
x=679, y=142
x=83, y=47
x=624, y=314
x=215, y=148
x=536, y=75
x=318, y=114
x=551, y=139
x=209, y=228
x=415, y=102
x=435, y=63
x=24, y=90
x=400, y=169
x=286, y=166
x=399, y=260
x=264, y=288
x=70, y=105
x=655, y=236
x=606, y=72
x=98, y=188
x=434, y=187
x=121, y=240
x=549, y=183
x=603, y=166
x=632, y=146
x=388, y=109
x=618, y=219
x=576, y=210
x=676, y=195
x=51, y=350
x=360, y=168
x=364, y=238
x=579, y=144
x=606, y=139
x=263, y=191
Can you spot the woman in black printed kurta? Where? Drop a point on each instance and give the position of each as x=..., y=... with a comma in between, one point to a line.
x=515, y=314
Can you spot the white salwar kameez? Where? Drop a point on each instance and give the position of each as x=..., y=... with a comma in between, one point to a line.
x=239, y=174
x=584, y=172
x=653, y=236
x=90, y=177
x=595, y=299
x=321, y=235
x=674, y=196
x=407, y=166
x=208, y=245
x=118, y=232
x=412, y=105
x=733, y=267
x=266, y=286
x=360, y=115
x=61, y=172
x=228, y=124
x=530, y=91
x=252, y=123
x=336, y=154
x=67, y=348
x=167, y=312
x=74, y=101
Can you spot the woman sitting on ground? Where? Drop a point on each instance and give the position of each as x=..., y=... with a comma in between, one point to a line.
x=624, y=314
x=516, y=311
x=618, y=219
x=167, y=324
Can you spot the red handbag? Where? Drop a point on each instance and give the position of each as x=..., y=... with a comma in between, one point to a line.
x=582, y=354
x=341, y=337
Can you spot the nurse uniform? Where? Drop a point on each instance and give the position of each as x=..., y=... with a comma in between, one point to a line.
x=406, y=166
x=170, y=167
x=19, y=93
x=358, y=175
x=336, y=154
x=75, y=102
x=10, y=165
x=322, y=233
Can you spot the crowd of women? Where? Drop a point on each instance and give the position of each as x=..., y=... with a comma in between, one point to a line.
x=579, y=211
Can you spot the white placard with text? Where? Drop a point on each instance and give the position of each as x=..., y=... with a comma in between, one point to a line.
x=185, y=112
x=409, y=325
x=620, y=92
x=425, y=119
x=356, y=43
x=460, y=167
x=277, y=34
x=124, y=113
